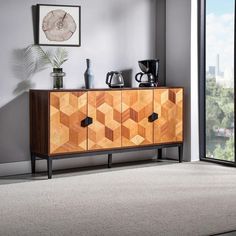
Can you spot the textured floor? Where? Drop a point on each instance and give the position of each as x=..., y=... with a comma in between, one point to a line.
x=148, y=199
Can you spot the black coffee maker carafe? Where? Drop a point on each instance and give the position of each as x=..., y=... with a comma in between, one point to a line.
x=149, y=75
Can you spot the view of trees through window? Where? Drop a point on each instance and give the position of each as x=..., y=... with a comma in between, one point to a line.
x=220, y=79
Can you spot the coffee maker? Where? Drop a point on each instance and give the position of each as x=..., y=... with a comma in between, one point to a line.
x=149, y=75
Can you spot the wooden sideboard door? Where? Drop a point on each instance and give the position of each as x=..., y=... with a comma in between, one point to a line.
x=67, y=110
x=104, y=107
x=137, y=106
x=168, y=104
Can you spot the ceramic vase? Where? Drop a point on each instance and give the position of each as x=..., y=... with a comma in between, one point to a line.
x=88, y=75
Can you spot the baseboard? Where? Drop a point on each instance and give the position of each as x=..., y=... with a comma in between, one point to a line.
x=24, y=167
x=15, y=168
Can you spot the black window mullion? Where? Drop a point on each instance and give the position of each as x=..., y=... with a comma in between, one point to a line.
x=202, y=77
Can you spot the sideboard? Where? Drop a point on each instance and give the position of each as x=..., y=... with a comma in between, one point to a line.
x=74, y=123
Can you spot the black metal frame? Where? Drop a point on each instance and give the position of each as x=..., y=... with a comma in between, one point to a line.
x=58, y=45
x=202, y=82
x=49, y=159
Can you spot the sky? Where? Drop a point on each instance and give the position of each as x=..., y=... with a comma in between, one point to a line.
x=219, y=6
x=220, y=33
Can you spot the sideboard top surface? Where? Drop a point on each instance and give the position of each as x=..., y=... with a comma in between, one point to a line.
x=104, y=89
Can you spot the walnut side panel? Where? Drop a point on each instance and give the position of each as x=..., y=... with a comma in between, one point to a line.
x=168, y=104
x=67, y=110
x=104, y=107
x=39, y=122
x=137, y=106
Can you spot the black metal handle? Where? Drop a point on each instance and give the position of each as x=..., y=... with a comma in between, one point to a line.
x=153, y=117
x=87, y=121
x=138, y=77
x=108, y=78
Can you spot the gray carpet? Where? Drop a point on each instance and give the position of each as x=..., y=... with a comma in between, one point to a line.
x=152, y=199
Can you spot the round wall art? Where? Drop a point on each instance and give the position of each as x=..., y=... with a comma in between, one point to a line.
x=58, y=25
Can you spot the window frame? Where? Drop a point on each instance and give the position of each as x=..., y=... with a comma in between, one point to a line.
x=202, y=85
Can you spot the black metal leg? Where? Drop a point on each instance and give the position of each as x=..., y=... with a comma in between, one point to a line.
x=159, y=153
x=49, y=162
x=33, y=160
x=180, y=147
x=109, y=160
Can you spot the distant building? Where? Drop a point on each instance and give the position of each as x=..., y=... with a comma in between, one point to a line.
x=218, y=64
x=226, y=79
x=212, y=71
x=218, y=71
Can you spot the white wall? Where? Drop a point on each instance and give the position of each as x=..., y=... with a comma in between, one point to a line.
x=115, y=35
x=195, y=153
x=181, y=67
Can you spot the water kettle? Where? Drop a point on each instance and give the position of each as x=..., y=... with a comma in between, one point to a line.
x=114, y=79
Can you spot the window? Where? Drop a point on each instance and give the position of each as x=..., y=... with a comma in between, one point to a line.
x=217, y=79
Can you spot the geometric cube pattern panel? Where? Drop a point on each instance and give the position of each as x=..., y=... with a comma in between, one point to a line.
x=104, y=107
x=137, y=106
x=168, y=104
x=67, y=110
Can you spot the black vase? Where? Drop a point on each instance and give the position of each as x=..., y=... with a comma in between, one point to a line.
x=58, y=75
x=88, y=75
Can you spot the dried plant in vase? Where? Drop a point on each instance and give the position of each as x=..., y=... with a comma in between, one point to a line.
x=55, y=58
